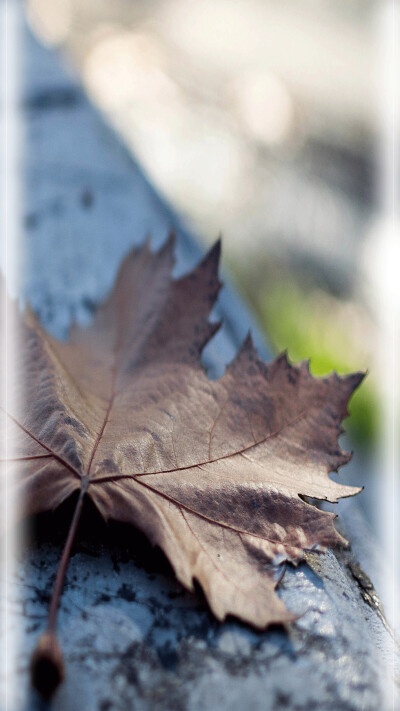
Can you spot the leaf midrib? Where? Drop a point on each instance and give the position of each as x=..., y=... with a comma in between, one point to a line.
x=136, y=477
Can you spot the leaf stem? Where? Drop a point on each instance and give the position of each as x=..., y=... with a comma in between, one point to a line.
x=63, y=565
x=47, y=666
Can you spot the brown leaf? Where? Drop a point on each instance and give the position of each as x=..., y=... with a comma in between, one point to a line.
x=211, y=471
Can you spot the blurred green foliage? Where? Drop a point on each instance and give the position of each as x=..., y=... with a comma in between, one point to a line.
x=307, y=325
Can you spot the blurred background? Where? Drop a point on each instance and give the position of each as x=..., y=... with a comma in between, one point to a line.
x=256, y=120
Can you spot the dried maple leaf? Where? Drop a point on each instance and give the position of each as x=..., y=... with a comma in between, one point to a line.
x=211, y=471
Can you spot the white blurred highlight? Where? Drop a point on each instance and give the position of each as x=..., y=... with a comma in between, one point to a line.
x=10, y=212
x=265, y=106
x=51, y=19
